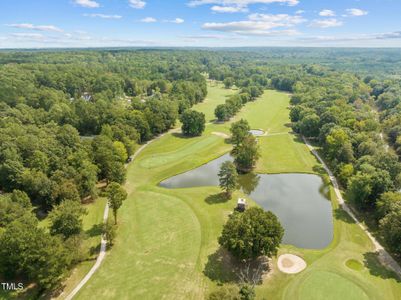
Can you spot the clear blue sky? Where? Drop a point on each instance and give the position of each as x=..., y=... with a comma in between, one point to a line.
x=216, y=23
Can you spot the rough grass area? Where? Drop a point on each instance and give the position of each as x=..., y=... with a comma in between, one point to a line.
x=167, y=247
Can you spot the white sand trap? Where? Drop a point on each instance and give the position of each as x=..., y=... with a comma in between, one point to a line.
x=290, y=264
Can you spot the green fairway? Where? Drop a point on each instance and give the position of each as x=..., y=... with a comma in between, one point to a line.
x=166, y=247
x=285, y=153
x=268, y=113
x=216, y=94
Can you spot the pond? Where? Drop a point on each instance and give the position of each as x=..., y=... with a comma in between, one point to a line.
x=298, y=200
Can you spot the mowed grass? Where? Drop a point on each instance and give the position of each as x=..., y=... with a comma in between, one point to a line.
x=216, y=94
x=167, y=247
x=269, y=112
x=285, y=153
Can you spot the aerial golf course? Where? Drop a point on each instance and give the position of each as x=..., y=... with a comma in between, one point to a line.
x=166, y=246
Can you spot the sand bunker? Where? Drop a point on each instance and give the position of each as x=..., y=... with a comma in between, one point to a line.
x=222, y=134
x=290, y=264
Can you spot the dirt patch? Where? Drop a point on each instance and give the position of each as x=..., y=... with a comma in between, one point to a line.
x=290, y=264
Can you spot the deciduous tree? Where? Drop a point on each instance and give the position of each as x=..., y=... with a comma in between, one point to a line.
x=228, y=178
x=252, y=233
x=116, y=195
x=193, y=123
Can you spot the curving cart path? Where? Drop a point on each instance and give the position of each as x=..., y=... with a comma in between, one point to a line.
x=385, y=258
x=103, y=243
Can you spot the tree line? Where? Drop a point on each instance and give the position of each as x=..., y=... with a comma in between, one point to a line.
x=68, y=121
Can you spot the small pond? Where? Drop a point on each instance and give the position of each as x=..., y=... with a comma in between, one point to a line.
x=256, y=132
x=298, y=200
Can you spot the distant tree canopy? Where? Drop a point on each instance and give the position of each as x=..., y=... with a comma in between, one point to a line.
x=252, y=233
x=193, y=123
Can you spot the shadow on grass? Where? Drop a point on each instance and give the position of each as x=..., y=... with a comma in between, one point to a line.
x=342, y=215
x=222, y=267
x=94, y=250
x=297, y=138
x=96, y=230
x=319, y=170
x=217, y=198
x=376, y=268
x=227, y=141
x=183, y=136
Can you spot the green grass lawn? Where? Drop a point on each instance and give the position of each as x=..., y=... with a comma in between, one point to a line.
x=268, y=113
x=216, y=95
x=167, y=248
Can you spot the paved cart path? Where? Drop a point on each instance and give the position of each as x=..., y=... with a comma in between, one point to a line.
x=103, y=243
x=385, y=258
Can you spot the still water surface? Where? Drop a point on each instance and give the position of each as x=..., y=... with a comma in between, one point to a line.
x=298, y=200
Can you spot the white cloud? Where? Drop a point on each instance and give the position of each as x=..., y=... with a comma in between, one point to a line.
x=388, y=35
x=356, y=12
x=327, y=13
x=212, y=37
x=360, y=37
x=87, y=3
x=231, y=6
x=31, y=36
x=102, y=16
x=241, y=2
x=228, y=9
x=148, y=20
x=259, y=24
x=177, y=21
x=153, y=20
x=326, y=23
x=299, y=12
x=138, y=4
x=36, y=27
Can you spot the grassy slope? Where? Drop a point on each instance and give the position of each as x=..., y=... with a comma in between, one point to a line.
x=167, y=239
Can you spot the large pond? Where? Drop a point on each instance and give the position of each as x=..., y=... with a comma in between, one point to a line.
x=298, y=200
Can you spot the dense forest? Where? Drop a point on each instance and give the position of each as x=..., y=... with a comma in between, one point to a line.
x=70, y=119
